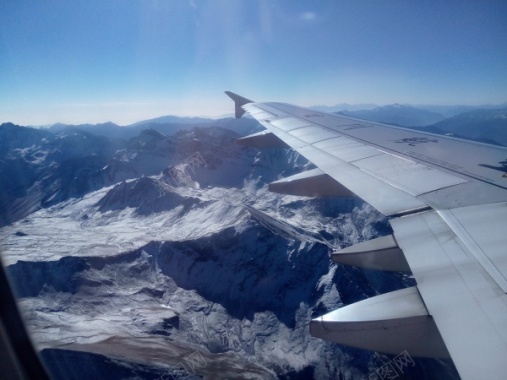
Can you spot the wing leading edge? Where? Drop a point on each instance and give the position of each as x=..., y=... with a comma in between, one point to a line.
x=446, y=200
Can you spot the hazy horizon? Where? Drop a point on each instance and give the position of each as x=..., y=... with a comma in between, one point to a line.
x=324, y=108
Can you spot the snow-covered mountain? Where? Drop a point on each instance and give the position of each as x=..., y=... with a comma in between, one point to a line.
x=397, y=114
x=487, y=125
x=167, y=125
x=166, y=257
x=40, y=168
x=344, y=106
x=442, y=111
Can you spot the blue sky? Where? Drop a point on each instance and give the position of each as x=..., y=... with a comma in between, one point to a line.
x=125, y=61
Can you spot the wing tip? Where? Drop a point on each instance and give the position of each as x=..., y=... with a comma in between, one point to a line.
x=238, y=102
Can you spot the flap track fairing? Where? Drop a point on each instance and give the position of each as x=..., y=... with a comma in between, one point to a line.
x=311, y=183
x=381, y=253
x=390, y=323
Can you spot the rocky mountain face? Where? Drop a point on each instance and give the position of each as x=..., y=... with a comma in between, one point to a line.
x=486, y=125
x=164, y=256
x=40, y=168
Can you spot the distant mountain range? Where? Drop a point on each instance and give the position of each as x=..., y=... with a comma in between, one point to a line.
x=168, y=125
x=444, y=110
x=345, y=106
x=172, y=120
x=488, y=125
x=398, y=114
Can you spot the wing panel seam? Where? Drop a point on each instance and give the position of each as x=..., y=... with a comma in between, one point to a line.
x=474, y=249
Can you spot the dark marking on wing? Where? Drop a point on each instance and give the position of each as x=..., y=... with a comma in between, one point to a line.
x=413, y=141
x=502, y=168
x=355, y=126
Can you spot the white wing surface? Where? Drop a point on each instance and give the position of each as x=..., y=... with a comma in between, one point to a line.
x=446, y=200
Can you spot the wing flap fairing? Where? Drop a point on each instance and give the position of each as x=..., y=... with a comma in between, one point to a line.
x=311, y=183
x=262, y=140
x=392, y=323
x=381, y=253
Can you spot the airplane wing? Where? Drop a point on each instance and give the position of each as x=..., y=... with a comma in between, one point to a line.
x=446, y=200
